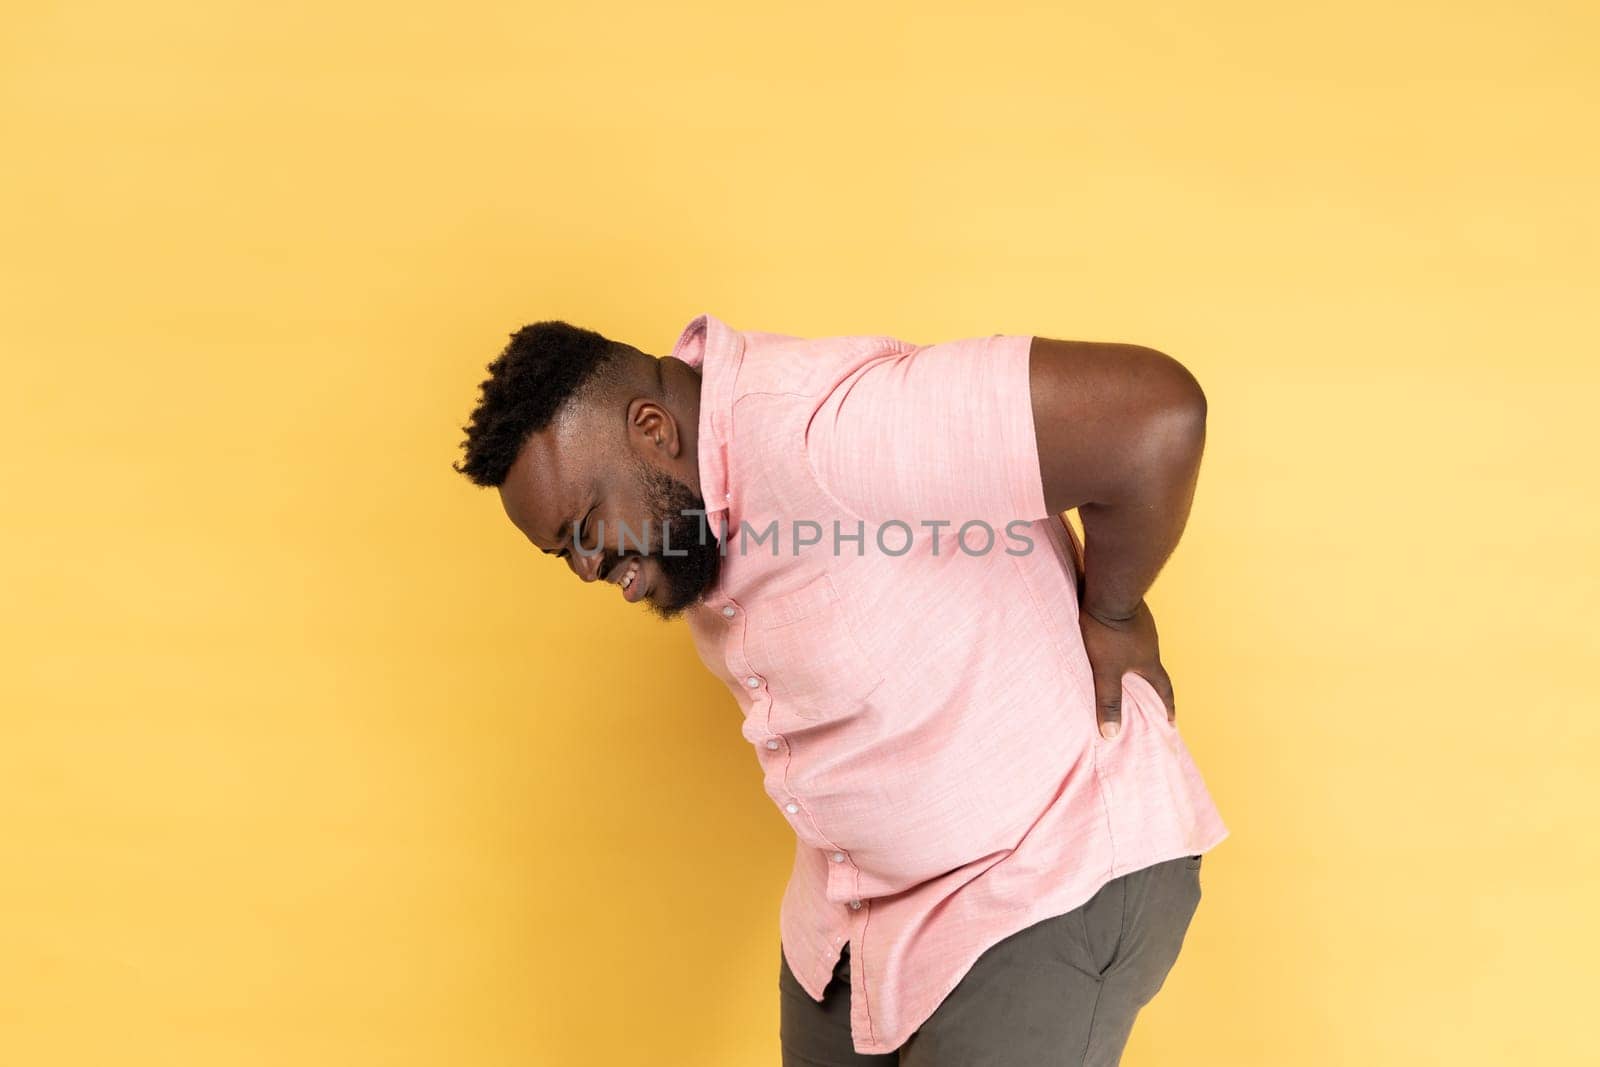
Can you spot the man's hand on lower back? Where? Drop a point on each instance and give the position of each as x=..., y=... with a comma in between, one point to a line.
x=1116, y=647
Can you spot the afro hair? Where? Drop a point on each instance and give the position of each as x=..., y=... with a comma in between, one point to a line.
x=543, y=367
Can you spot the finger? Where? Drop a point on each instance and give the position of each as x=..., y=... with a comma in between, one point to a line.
x=1108, y=706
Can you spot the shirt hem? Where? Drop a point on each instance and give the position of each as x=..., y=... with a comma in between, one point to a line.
x=1024, y=919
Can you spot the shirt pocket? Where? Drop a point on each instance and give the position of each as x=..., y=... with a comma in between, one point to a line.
x=806, y=648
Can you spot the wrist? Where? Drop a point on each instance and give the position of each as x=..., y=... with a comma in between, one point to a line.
x=1109, y=613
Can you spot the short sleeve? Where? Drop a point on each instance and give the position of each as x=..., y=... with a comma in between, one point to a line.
x=944, y=431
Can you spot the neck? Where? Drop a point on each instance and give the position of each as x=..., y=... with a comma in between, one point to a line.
x=680, y=385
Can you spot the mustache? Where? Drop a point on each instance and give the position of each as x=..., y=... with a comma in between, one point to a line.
x=687, y=529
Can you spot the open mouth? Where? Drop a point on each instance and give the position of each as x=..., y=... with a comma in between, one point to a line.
x=631, y=580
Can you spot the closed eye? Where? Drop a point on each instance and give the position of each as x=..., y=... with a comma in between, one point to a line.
x=565, y=552
x=582, y=523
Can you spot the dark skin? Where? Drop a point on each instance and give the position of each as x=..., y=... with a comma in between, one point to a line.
x=580, y=473
x=1120, y=430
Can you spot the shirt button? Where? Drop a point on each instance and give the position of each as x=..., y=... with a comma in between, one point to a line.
x=752, y=681
x=855, y=905
x=791, y=808
x=838, y=857
x=728, y=611
x=773, y=743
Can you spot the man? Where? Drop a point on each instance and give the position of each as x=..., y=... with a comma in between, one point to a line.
x=966, y=721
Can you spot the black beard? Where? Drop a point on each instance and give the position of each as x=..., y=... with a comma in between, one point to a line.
x=679, y=520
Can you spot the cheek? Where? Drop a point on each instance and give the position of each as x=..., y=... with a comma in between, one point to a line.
x=644, y=536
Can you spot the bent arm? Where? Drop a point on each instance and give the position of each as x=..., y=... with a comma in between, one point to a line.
x=1120, y=431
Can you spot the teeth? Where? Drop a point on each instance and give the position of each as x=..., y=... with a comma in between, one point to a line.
x=627, y=579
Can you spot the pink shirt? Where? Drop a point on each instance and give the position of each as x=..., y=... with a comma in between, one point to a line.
x=922, y=709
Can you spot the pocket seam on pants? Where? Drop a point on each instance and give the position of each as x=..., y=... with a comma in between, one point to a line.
x=1098, y=970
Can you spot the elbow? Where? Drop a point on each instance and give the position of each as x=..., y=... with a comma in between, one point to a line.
x=1188, y=398
x=1197, y=398
x=1180, y=405
x=1193, y=409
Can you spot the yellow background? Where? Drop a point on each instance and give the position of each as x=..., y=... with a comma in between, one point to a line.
x=307, y=758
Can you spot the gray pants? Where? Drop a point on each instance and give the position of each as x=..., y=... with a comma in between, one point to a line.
x=1062, y=991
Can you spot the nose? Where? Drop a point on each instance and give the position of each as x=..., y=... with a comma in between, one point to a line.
x=586, y=566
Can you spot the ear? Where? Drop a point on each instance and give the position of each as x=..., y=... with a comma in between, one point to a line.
x=652, y=429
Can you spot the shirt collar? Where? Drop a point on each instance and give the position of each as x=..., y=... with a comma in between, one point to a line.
x=713, y=348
